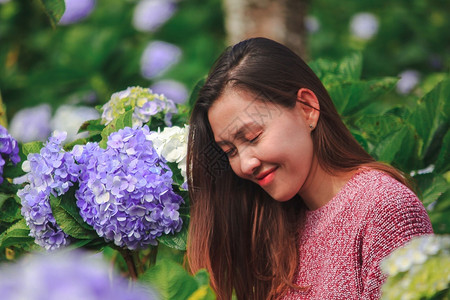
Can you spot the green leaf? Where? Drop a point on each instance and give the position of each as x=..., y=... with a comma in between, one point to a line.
x=92, y=126
x=9, y=209
x=429, y=114
x=18, y=233
x=54, y=9
x=12, y=171
x=443, y=162
x=68, y=222
x=391, y=145
x=170, y=280
x=32, y=147
x=177, y=241
x=351, y=66
x=436, y=188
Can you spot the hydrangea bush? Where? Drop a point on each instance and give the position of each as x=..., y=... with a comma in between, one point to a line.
x=121, y=187
x=126, y=190
x=412, y=269
x=52, y=171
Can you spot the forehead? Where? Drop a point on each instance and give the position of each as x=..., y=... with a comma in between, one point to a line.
x=238, y=110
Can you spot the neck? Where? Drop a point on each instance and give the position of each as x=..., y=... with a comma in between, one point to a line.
x=320, y=187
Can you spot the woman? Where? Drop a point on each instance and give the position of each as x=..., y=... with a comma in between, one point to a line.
x=284, y=201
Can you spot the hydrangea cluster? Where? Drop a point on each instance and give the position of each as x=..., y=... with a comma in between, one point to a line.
x=171, y=144
x=145, y=104
x=31, y=124
x=66, y=275
x=125, y=190
x=418, y=270
x=52, y=171
x=9, y=150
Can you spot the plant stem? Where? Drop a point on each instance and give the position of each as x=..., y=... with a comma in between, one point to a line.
x=127, y=255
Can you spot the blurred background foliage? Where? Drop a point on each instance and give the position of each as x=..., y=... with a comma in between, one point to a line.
x=85, y=61
x=386, y=65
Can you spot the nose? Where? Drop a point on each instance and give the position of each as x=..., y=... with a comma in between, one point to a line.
x=248, y=162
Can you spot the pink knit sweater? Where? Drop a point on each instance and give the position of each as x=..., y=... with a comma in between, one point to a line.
x=342, y=243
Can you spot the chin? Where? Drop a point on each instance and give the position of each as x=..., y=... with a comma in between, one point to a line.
x=282, y=198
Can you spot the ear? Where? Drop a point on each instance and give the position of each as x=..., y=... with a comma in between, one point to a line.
x=309, y=105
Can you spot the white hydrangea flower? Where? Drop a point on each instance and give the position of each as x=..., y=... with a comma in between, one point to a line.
x=364, y=25
x=171, y=143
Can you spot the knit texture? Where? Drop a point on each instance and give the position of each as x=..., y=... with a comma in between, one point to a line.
x=342, y=243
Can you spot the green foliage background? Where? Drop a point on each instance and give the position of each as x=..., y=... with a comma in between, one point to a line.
x=41, y=61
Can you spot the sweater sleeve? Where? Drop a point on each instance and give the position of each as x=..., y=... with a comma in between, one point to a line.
x=397, y=217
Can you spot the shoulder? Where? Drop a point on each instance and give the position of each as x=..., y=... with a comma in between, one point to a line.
x=384, y=202
x=380, y=190
x=391, y=208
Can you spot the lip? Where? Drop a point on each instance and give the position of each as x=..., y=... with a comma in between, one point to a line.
x=266, y=177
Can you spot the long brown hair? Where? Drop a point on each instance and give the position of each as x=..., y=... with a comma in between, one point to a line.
x=245, y=239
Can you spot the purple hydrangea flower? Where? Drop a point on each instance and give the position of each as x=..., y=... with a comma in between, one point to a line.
x=149, y=15
x=31, y=124
x=76, y=10
x=126, y=191
x=52, y=171
x=66, y=275
x=158, y=57
x=9, y=150
x=172, y=89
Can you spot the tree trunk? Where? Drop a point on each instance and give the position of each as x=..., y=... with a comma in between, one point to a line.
x=280, y=20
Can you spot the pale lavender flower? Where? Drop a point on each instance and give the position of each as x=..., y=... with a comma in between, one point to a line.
x=52, y=171
x=4, y=1
x=312, y=24
x=76, y=10
x=158, y=57
x=172, y=89
x=408, y=81
x=31, y=124
x=9, y=150
x=364, y=25
x=69, y=118
x=126, y=191
x=149, y=15
x=66, y=275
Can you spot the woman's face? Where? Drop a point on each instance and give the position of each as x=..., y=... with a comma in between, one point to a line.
x=266, y=143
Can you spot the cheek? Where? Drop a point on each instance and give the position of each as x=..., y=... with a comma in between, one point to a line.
x=235, y=166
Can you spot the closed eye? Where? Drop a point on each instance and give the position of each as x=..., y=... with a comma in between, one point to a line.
x=255, y=139
x=230, y=152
